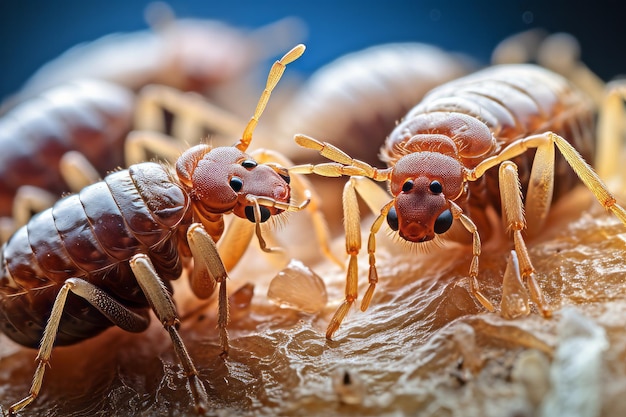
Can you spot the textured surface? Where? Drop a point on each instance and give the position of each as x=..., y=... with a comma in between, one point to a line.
x=424, y=347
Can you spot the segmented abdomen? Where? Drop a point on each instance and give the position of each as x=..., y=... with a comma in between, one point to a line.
x=90, y=235
x=88, y=116
x=513, y=101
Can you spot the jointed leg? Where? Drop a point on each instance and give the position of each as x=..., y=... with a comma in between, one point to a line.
x=276, y=73
x=235, y=241
x=514, y=295
x=113, y=310
x=29, y=200
x=345, y=164
x=540, y=190
x=372, y=194
x=193, y=115
x=587, y=175
x=142, y=145
x=372, y=276
x=163, y=306
x=352, y=223
x=208, y=271
x=469, y=225
x=303, y=190
x=77, y=171
x=513, y=216
x=611, y=127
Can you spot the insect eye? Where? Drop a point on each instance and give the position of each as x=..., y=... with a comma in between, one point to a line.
x=265, y=213
x=407, y=186
x=236, y=184
x=435, y=187
x=249, y=163
x=443, y=222
x=392, y=219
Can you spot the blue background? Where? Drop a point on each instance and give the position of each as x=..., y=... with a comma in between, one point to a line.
x=33, y=32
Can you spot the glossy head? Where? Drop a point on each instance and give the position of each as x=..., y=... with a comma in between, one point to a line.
x=422, y=185
x=225, y=179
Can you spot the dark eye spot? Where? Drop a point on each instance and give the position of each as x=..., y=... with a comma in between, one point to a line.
x=265, y=213
x=407, y=186
x=236, y=184
x=443, y=222
x=249, y=163
x=435, y=187
x=392, y=219
x=287, y=178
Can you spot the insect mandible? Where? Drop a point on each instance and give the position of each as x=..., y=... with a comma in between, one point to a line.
x=440, y=160
x=106, y=255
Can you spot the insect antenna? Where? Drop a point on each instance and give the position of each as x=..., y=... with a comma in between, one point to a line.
x=276, y=72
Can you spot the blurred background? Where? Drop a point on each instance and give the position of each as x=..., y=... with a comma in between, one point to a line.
x=34, y=32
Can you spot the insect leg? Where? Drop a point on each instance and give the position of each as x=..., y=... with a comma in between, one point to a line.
x=163, y=306
x=29, y=200
x=302, y=189
x=375, y=197
x=586, y=174
x=540, y=188
x=77, y=171
x=515, y=222
x=469, y=225
x=114, y=311
x=514, y=295
x=208, y=271
x=234, y=242
x=346, y=164
x=142, y=145
x=352, y=221
x=193, y=115
x=45, y=349
x=610, y=131
x=560, y=52
x=372, y=277
x=276, y=73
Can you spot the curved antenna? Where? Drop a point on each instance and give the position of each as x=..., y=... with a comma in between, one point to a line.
x=276, y=72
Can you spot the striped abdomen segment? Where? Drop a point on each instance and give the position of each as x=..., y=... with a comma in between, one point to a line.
x=91, y=235
x=507, y=102
x=88, y=116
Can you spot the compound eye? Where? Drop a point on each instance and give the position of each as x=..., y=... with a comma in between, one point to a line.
x=392, y=219
x=443, y=222
x=436, y=187
x=249, y=163
x=407, y=186
x=236, y=184
x=265, y=213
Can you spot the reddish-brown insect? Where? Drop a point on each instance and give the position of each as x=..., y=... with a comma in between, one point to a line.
x=67, y=126
x=86, y=116
x=102, y=257
x=440, y=160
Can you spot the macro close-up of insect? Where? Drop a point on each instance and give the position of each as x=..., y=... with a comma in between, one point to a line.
x=103, y=256
x=76, y=111
x=442, y=159
x=492, y=267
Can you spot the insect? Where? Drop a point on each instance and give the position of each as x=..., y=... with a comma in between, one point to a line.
x=361, y=95
x=38, y=137
x=173, y=52
x=440, y=170
x=102, y=257
x=75, y=112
